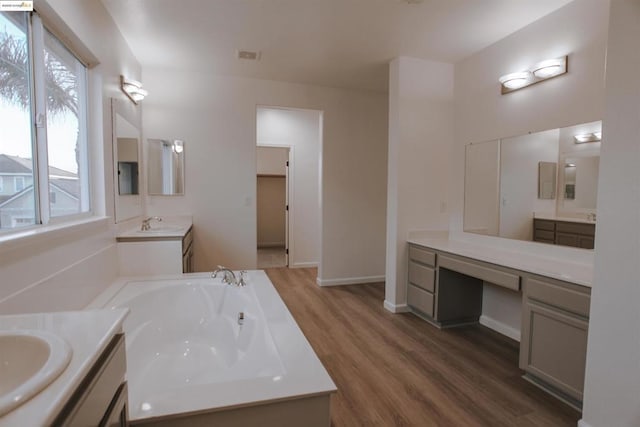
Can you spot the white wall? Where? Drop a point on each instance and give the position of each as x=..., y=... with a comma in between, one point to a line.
x=612, y=385
x=216, y=117
x=519, y=159
x=482, y=188
x=66, y=270
x=420, y=140
x=302, y=131
x=482, y=113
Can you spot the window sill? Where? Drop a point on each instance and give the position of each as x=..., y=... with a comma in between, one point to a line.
x=52, y=234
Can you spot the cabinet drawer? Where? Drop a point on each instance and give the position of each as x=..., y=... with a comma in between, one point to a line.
x=420, y=299
x=483, y=272
x=586, y=242
x=544, y=235
x=567, y=239
x=422, y=276
x=422, y=255
x=543, y=224
x=572, y=298
x=576, y=228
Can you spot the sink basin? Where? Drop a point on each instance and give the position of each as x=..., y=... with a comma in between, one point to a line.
x=29, y=361
x=163, y=229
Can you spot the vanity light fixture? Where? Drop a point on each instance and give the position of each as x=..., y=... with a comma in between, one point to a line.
x=178, y=146
x=541, y=71
x=133, y=89
x=587, y=137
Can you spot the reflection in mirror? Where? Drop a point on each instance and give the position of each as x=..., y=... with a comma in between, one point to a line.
x=569, y=181
x=126, y=159
x=511, y=181
x=547, y=180
x=166, y=167
x=581, y=182
x=127, y=165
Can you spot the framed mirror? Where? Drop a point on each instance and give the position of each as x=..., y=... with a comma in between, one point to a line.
x=126, y=161
x=165, y=159
x=551, y=174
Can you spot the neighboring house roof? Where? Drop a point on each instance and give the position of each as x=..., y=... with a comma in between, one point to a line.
x=15, y=164
x=68, y=186
x=12, y=164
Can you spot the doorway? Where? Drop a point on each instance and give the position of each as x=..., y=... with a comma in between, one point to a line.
x=272, y=203
x=300, y=132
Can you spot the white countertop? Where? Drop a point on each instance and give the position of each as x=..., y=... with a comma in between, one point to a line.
x=557, y=262
x=170, y=228
x=552, y=217
x=88, y=333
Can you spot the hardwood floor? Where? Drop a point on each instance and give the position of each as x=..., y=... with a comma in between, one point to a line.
x=397, y=370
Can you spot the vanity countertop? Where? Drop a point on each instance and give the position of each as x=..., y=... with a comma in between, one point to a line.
x=557, y=262
x=87, y=332
x=552, y=217
x=167, y=229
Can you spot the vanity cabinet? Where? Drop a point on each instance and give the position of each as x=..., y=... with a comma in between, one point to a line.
x=153, y=254
x=553, y=346
x=421, y=287
x=101, y=398
x=565, y=233
x=440, y=289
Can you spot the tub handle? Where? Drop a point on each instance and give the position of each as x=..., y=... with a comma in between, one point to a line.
x=240, y=318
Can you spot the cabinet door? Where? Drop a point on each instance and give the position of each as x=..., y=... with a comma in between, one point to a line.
x=553, y=348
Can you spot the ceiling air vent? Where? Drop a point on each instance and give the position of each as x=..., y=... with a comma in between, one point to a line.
x=248, y=54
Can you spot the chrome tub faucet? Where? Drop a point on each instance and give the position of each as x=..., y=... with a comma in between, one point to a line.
x=229, y=276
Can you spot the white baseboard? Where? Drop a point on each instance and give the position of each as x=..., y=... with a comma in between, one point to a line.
x=500, y=327
x=350, y=281
x=583, y=423
x=396, y=308
x=304, y=265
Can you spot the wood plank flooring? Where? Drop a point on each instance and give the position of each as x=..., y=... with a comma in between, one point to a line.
x=397, y=370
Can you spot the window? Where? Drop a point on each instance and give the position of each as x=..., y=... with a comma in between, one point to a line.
x=43, y=125
x=18, y=183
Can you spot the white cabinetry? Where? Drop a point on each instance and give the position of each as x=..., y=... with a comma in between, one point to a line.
x=148, y=256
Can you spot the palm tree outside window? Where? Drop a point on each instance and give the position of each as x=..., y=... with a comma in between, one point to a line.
x=43, y=124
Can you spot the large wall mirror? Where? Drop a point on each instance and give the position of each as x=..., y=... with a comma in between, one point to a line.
x=165, y=158
x=551, y=175
x=126, y=159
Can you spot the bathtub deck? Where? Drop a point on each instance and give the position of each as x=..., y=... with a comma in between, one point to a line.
x=395, y=369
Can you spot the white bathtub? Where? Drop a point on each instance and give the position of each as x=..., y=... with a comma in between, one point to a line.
x=188, y=356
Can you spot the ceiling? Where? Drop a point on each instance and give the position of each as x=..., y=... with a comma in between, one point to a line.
x=340, y=43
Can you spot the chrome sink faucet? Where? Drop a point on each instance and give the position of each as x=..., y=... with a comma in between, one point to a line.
x=229, y=276
x=146, y=222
